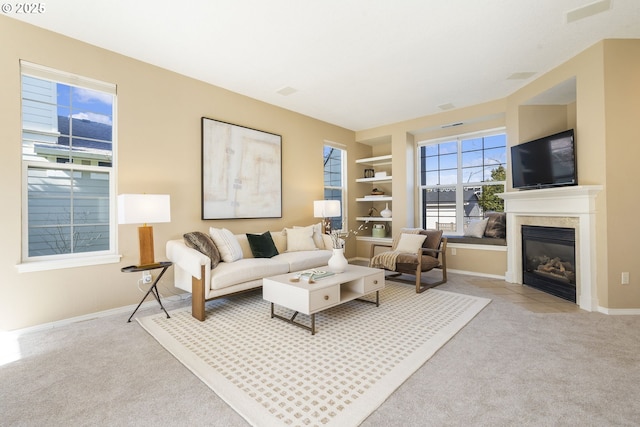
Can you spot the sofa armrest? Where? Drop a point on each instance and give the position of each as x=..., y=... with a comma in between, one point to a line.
x=188, y=259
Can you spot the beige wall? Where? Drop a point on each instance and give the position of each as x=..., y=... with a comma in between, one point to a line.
x=622, y=114
x=158, y=152
x=604, y=115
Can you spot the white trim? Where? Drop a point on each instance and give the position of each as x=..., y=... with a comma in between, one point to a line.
x=28, y=267
x=497, y=248
x=475, y=273
x=127, y=309
x=50, y=74
x=619, y=311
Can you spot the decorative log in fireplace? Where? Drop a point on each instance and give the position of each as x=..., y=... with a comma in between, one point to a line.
x=548, y=260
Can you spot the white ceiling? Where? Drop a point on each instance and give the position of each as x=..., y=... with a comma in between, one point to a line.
x=354, y=63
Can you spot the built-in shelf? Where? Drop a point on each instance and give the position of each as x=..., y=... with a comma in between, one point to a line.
x=372, y=239
x=374, y=199
x=380, y=179
x=376, y=161
x=372, y=218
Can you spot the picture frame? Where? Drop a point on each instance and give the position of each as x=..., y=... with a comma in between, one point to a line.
x=241, y=172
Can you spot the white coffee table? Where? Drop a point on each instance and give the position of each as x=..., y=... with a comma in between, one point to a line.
x=311, y=298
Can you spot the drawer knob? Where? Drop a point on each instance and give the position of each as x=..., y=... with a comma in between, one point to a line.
x=375, y=282
x=326, y=297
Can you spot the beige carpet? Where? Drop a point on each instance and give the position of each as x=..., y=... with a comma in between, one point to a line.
x=273, y=373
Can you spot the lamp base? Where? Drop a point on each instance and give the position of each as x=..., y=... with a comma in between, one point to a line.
x=145, y=236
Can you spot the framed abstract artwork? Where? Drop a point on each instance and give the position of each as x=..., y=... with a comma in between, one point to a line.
x=241, y=172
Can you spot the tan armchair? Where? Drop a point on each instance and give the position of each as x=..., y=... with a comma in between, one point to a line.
x=431, y=255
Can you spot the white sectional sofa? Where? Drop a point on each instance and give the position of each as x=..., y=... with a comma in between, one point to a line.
x=193, y=272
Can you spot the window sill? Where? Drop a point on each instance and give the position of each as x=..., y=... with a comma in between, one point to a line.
x=28, y=267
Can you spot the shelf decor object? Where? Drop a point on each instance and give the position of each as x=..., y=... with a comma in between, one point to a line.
x=326, y=209
x=144, y=209
x=386, y=212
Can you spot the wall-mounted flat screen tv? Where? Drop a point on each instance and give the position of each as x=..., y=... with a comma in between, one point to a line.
x=545, y=162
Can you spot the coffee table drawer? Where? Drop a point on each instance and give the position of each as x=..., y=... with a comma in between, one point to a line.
x=375, y=282
x=322, y=298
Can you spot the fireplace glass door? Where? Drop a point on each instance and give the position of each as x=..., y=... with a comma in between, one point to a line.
x=549, y=260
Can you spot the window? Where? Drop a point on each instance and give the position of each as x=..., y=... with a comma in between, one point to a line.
x=334, y=180
x=459, y=179
x=67, y=158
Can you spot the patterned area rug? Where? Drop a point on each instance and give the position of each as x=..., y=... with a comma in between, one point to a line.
x=274, y=373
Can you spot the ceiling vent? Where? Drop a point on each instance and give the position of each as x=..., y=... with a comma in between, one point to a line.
x=286, y=91
x=588, y=10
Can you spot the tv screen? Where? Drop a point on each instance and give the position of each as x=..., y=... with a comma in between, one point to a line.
x=545, y=162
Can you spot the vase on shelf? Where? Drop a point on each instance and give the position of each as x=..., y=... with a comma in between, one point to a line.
x=386, y=212
x=338, y=263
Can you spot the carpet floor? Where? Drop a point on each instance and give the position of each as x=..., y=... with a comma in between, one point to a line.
x=273, y=373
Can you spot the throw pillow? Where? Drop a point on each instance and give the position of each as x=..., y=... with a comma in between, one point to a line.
x=262, y=245
x=203, y=243
x=300, y=239
x=227, y=244
x=317, y=235
x=476, y=228
x=497, y=225
x=410, y=243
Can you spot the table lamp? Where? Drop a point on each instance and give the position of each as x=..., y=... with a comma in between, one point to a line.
x=326, y=209
x=144, y=209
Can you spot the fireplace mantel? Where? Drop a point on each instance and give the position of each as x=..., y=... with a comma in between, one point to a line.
x=556, y=206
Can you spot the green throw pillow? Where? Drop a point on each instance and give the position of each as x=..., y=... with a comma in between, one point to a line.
x=262, y=245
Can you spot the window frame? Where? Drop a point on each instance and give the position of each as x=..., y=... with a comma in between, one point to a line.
x=460, y=184
x=57, y=261
x=343, y=187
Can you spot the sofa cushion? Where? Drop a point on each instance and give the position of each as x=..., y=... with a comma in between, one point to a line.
x=227, y=244
x=300, y=239
x=203, y=244
x=262, y=245
x=303, y=260
x=246, y=270
x=497, y=225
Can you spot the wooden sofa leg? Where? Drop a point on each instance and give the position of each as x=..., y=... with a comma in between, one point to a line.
x=197, y=296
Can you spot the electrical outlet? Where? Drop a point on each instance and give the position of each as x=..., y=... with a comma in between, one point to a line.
x=453, y=251
x=625, y=278
x=147, y=277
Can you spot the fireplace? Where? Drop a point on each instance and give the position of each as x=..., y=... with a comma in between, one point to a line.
x=549, y=260
x=565, y=207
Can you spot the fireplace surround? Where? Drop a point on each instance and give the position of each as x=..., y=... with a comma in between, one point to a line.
x=568, y=207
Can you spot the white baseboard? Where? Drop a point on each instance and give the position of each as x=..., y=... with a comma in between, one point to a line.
x=619, y=311
x=127, y=309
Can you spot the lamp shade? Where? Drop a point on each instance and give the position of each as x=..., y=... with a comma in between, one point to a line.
x=143, y=208
x=326, y=208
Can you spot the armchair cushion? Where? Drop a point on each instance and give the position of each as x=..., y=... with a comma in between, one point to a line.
x=408, y=263
x=433, y=239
